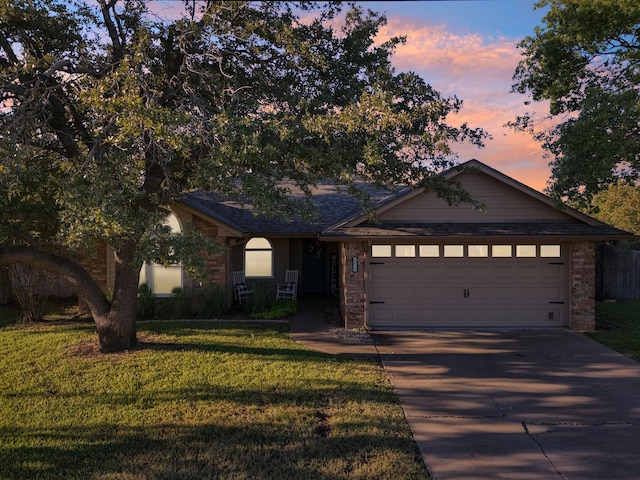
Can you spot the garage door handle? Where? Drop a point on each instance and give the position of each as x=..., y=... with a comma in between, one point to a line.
x=556, y=263
x=557, y=303
x=374, y=303
x=376, y=263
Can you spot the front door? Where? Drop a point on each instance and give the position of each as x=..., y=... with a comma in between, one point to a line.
x=315, y=279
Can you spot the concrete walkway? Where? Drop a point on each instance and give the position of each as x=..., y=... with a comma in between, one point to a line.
x=507, y=405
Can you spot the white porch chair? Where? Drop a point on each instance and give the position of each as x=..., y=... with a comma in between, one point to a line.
x=240, y=290
x=289, y=289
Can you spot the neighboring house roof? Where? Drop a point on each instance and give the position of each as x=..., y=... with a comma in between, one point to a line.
x=340, y=215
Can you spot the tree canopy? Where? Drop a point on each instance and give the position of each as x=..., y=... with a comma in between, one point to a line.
x=111, y=111
x=585, y=60
x=619, y=205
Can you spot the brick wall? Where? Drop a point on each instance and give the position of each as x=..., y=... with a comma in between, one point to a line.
x=216, y=262
x=583, y=306
x=95, y=263
x=352, y=291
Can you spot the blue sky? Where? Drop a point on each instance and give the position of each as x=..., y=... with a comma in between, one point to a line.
x=468, y=48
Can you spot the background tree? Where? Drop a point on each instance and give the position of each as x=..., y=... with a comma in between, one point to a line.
x=585, y=59
x=110, y=113
x=619, y=205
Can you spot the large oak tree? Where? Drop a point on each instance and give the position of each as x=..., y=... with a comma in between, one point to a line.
x=110, y=112
x=585, y=60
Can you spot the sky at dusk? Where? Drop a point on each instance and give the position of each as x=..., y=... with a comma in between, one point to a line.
x=467, y=48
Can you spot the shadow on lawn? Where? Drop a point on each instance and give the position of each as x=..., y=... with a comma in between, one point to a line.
x=168, y=336
x=248, y=449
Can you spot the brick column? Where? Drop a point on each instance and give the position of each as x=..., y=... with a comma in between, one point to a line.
x=583, y=278
x=352, y=292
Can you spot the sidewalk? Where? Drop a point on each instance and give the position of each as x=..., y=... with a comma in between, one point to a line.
x=309, y=328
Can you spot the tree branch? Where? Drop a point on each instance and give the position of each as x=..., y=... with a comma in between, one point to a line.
x=71, y=271
x=6, y=46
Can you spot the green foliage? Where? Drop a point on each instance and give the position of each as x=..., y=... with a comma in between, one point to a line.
x=197, y=400
x=178, y=306
x=212, y=302
x=125, y=121
x=619, y=205
x=259, y=301
x=618, y=327
x=585, y=61
x=146, y=305
x=115, y=113
x=277, y=310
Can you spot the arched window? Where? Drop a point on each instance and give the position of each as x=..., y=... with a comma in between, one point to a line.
x=258, y=258
x=163, y=280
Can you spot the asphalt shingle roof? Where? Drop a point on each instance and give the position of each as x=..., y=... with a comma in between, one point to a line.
x=555, y=229
x=333, y=205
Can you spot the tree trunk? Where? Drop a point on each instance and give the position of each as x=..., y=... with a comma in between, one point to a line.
x=116, y=322
x=117, y=330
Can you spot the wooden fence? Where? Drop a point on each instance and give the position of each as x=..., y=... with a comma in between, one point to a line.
x=617, y=273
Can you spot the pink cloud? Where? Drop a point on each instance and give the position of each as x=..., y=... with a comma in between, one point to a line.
x=477, y=70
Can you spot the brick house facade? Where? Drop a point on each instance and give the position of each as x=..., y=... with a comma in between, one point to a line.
x=522, y=262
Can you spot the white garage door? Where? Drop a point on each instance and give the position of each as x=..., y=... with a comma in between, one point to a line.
x=467, y=286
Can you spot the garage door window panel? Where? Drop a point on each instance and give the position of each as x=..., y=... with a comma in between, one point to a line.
x=525, y=251
x=454, y=251
x=501, y=251
x=429, y=251
x=405, y=251
x=550, y=251
x=478, y=251
x=381, y=251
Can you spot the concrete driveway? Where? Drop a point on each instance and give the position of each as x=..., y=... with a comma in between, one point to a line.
x=517, y=405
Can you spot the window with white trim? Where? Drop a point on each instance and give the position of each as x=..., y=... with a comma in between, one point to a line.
x=163, y=280
x=258, y=258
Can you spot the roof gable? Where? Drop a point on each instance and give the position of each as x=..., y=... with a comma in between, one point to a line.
x=505, y=200
x=512, y=210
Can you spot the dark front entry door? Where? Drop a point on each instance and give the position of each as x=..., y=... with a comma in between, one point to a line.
x=315, y=274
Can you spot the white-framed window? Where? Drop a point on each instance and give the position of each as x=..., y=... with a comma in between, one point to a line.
x=258, y=258
x=163, y=280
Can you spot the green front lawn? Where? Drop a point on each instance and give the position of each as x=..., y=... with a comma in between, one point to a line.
x=618, y=327
x=198, y=400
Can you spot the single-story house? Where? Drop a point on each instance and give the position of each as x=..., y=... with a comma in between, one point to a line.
x=523, y=262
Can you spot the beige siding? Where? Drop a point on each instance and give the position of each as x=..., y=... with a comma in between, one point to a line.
x=503, y=204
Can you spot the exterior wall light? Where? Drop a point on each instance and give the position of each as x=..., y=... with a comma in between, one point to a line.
x=354, y=264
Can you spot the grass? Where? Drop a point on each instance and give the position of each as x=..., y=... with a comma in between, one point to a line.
x=618, y=327
x=197, y=400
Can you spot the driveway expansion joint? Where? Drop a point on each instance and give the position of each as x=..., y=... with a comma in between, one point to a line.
x=535, y=440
